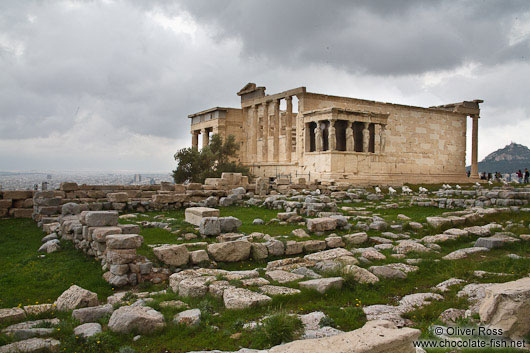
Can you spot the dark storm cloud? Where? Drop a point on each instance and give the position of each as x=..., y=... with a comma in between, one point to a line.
x=98, y=81
x=381, y=37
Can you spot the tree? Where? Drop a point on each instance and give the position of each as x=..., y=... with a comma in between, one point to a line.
x=218, y=157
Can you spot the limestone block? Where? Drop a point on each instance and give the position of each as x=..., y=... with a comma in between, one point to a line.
x=101, y=218
x=194, y=215
x=210, y=226
x=69, y=186
x=239, y=298
x=120, y=256
x=175, y=255
x=100, y=234
x=230, y=251
x=76, y=297
x=11, y=314
x=141, y=319
x=321, y=224
x=124, y=241
x=118, y=197
x=18, y=194
x=322, y=285
x=506, y=306
x=199, y=256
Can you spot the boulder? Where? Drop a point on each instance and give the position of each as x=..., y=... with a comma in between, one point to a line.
x=210, y=226
x=239, y=298
x=463, y=253
x=259, y=251
x=374, y=337
x=300, y=233
x=387, y=272
x=141, y=319
x=360, y=274
x=174, y=255
x=11, y=314
x=356, y=238
x=229, y=224
x=92, y=314
x=506, y=306
x=88, y=330
x=230, y=251
x=407, y=246
x=322, y=285
x=190, y=317
x=281, y=276
x=278, y=290
x=76, y=297
x=32, y=345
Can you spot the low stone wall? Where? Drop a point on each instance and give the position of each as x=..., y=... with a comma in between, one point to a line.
x=98, y=234
x=475, y=198
x=16, y=203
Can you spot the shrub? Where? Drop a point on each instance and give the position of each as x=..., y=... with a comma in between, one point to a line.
x=277, y=329
x=210, y=162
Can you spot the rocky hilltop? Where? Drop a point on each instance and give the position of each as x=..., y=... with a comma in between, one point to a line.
x=506, y=160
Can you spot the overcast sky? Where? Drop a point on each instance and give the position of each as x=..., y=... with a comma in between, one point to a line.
x=108, y=85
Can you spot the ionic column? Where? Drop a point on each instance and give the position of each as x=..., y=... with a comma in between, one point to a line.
x=265, y=141
x=253, y=115
x=288, y=128
x=276, y=137
x=332, y=136
x=318, y=138
x=205, y=138
x=195, y=139
x=474, y=147
x=382, y=138
x=350, y=140
x=366, y=137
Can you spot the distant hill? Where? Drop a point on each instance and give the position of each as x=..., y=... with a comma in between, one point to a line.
x=506, y=160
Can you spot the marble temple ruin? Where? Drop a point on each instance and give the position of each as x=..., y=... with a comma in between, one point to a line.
x=300, y=134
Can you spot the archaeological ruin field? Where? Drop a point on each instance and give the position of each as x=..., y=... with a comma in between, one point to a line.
x=263, y=267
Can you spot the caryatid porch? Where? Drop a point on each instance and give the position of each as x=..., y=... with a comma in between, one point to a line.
x=337, y=129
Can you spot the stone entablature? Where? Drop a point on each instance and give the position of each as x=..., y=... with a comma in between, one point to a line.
x=329, y=138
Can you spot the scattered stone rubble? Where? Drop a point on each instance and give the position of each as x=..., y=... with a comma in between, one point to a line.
x=89, y=218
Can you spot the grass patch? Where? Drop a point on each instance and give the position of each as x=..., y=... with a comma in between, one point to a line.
x=26, y=278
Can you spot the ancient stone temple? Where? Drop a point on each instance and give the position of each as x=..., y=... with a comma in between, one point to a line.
x=299, y=134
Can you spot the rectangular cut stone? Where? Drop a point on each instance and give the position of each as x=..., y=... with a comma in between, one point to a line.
x=18, y=194
x=22, y=212
x=194, y=215
x=129, y=228
x=101, y=218
x=321, y=224
x=118, y=197
x=124, y=241
x=5, y=203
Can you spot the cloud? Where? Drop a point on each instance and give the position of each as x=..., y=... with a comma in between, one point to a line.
x=109, y=84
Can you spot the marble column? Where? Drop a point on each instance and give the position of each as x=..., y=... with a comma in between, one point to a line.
x=276, y=136
x=474, y=147
x=366, y=137
x=205, y=138
x=288, y=128
x=350, y=139
x=332, y=136
x=195, y=139
x=318, y=138
x=265, y=140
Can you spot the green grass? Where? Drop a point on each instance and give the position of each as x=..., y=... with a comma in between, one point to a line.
x=27, y=278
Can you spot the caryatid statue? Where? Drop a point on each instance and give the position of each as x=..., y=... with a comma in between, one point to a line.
x=366, y=138
x=382, y=139
x=350, y=141
x=318, y=138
